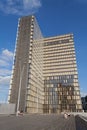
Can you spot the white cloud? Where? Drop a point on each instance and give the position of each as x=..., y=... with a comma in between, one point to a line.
x=6, y=60
x=20, y=7
x=3, y=63
x=7, y=53
x=31, y=4
x=5, y=72
x=4, y=81
x=83, y=94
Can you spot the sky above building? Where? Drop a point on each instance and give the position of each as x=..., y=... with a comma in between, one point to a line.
x=55, y=17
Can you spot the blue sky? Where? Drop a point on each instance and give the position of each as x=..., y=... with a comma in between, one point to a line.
x=55, y=17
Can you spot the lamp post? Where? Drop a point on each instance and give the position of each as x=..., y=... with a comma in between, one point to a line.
x=19, y=91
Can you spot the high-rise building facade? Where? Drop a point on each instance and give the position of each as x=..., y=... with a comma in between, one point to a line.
x=44, y=77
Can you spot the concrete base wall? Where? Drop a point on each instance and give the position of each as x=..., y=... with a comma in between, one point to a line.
x=7, y=108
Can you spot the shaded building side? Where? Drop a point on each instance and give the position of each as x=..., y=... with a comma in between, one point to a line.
x=26, y=88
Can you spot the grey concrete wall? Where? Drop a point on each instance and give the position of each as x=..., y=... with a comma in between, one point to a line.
x=7, y=108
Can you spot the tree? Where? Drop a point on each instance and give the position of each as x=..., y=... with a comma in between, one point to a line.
x=86, y=98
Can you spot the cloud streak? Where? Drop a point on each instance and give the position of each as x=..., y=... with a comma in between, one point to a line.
x=83, y=94
x=6, y=60
x=20, y=7
x=4, y=81
x=6, y=57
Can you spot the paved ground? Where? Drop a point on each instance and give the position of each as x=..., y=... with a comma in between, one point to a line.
x=39, y=122
x=84, y=118
x=81, y=123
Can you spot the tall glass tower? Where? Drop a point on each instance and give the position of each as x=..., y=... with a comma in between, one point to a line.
x=44, y=75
